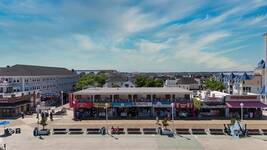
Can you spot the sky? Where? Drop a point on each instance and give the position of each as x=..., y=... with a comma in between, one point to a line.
x=133, y=35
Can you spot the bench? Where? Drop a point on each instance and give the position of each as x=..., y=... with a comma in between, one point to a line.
x=60, y=131
x=253, y=132
x=134, y=131
x=120, y=131
x=182, y=131
x=93, y=131
x=198, y=131
x=216, y=131
x=75, y=131
x=150, y=131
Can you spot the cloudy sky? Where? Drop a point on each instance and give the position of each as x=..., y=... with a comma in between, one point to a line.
x=148, y=35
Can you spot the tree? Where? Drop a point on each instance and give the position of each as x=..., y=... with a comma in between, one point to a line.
x=214, y=85
x=146, y=81
x=90, y=80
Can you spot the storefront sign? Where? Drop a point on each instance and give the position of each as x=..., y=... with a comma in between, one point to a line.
x=184, y=105
x=242, y=98
x=101, y=105
x=162, y=104
x=83, y=104
x=143, y=104
x=123, y=104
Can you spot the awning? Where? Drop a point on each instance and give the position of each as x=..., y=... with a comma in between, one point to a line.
x=247, y=104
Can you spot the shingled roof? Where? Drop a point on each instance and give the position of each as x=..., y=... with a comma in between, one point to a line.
x=187, y=80
x=28, y=70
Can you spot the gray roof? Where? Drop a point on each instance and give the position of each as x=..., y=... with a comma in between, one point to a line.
x=28, y=70
x=187, y=80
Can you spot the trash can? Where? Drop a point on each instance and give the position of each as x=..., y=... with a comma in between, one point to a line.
x=35, y=132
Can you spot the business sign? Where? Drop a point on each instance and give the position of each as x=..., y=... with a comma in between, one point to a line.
x=184, y=105
x=162, y=104
x=242, y=98
x=101, y=105
x=122, y=104
x=83, y=105
x=143, y=104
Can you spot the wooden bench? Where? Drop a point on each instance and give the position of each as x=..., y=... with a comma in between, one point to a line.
x=182, y=131
x=134, y=131
x=198, y=131
x=75, y=131
x=93, y=131
x=264, y=131
x=60, y=131
x=216, y=131
x=120, y=131
x=150, y=131
x=253, y=132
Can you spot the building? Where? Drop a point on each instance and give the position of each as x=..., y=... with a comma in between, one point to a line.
x=50, y=81
x=12, y=104
x=145, y=102
x=188, y=83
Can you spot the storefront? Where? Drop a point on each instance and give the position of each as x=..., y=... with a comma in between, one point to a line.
x=250, y=105
x=13, y=108
x=100, y=109
x=162, y=109
x=142, y=109
x=123, y=110
x=212, y=108
x=184, y=109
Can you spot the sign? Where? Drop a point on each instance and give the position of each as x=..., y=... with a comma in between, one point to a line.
x=83, y=105
x=143, y=104
x=122, y=104
x=184, y=105
x=101, y=105
x=242, y=98
x=162, y=104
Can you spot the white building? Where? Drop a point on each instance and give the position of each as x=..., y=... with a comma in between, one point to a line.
x=187, y=83
x=49, y=81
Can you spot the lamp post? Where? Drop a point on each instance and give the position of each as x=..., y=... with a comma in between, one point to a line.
x=106, y=106
x=61, y=97
x=241, y=106
x=172, y=105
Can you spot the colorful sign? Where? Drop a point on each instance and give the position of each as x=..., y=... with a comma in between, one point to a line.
x=162, y=104
x=197, y=103
x=184, y=105
x=143, y=104
x=122, y=104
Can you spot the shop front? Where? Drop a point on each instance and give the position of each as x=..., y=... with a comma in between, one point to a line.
x=83, y=110
x=212, y=108
x=249, y=106
x=162, y=109
x=100, y=109
x=143, y=109
x=12, y=108
x=123, y=110
x=184, y=109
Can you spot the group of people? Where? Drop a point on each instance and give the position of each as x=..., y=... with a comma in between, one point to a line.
x=46, y=114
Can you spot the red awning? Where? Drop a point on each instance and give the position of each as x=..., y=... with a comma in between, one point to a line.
x=247, y=104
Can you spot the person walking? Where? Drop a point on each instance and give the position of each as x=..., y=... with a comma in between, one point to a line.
x=51, y=116
x=22, y=115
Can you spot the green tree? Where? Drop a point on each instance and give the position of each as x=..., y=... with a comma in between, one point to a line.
x=146, y=81
x=90, y=80
x=214, y=85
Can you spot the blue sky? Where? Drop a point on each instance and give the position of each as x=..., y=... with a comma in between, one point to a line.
x=148, y=35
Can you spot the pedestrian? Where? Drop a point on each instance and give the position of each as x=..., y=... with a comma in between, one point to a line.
x=22, y=115
x=51, y=116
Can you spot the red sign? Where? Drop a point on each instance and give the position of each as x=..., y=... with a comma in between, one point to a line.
x=74, y=103
x=184, y=105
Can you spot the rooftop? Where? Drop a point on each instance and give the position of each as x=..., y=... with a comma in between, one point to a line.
x=29, y=70
x=136, y=90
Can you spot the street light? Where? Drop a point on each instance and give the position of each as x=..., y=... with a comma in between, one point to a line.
x=172, y=105
x=241, y=106
x=106, y=106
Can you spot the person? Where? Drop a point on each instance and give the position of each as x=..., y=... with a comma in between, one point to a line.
x=22, y=115
x=157, y=120
x=112, y=130
x=51, y=116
